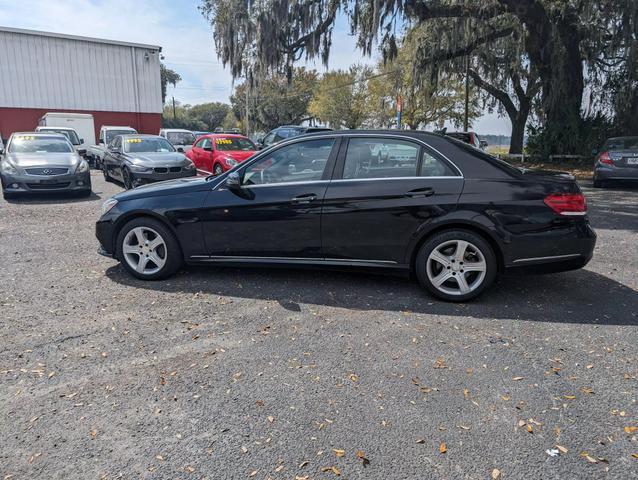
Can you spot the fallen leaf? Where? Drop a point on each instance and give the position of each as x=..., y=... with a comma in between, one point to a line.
x=516, y=379
x=587, y=390
x=271, y=418
x=420, y=440
x=353, y=377
x=442, y=447
x=631, y=429
x=253, y=473
x=303, y=464
x=159, y=457
x=93, y=433
x=279, y=468
x=189, y=469
x=339, y=453
x=440, y=363
x=569, y=397
x=496, y=473
x=635, y=455
x=361, y=455
x=332, y=469
x=561, y=448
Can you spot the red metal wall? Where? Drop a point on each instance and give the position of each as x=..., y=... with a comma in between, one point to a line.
x=26, y=119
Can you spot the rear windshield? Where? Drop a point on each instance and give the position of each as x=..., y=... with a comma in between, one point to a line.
x=622, y=143
x=234, y=143
x=111, y=134
x=70, y=134
x=39, y=144
x=181, y=138
x=149, y=145
x=480, y=154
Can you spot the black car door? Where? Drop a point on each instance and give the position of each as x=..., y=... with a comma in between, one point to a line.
x=112, y=158
x=277, y=210
x=385, y=189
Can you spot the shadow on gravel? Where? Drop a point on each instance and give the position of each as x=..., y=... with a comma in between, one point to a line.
x=579, y=296
x=614, y=207
x=52, y=198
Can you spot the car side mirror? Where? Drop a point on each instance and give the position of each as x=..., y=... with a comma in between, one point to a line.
x=82, y=152
x=208, y=149
x=233, y=181
x=81, y=141
x=101, y=141
x=594, y=152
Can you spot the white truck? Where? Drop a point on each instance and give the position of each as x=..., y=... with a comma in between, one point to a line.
x=95, y=153
x=181, y=139
x=81, y=123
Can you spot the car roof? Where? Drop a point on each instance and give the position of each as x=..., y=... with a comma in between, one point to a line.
x=418, y=134
x=146, y=135
x=116, y=127
x=176, y=130
x=48, y=127
x=40, y=134
x=213, y=135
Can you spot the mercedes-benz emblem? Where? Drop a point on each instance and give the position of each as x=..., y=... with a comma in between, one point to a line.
x=47, y=171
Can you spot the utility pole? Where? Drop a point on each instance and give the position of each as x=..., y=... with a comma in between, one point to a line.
x=174, y=114
x=247, y=109
x=466, y=123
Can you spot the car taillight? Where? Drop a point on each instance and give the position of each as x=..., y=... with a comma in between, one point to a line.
x=567, y=203
x=605, y=158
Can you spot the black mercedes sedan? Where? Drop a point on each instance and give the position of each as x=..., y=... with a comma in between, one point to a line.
x=444, y=211
x=138, y=159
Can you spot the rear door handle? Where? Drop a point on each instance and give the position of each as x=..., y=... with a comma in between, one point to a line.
x=308, y=198
x=420, y=192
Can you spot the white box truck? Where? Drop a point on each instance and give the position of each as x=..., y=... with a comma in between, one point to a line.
x=82, y=123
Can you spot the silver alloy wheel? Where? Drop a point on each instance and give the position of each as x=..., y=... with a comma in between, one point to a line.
x=144, y=250
x=456, y=267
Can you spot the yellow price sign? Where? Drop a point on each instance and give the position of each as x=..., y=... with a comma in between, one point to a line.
x=25, y=137
x=133, y=140
x=223, y=141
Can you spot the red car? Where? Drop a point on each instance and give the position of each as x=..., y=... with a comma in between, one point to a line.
x=217, y=153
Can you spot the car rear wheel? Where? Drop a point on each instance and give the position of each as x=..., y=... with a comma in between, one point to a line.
x=148, y=249
x=456, y=265
x=218, y=170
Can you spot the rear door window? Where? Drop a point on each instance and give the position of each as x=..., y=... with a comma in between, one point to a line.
x=380, y=158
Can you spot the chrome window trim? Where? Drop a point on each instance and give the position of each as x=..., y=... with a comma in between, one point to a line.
x=393, y=178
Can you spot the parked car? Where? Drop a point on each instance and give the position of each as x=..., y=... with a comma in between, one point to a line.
x=617, y=159
x=198, y=134
x=217, y=153
x=95, y=153
x=82, y=123
x=42, y=163
x=470, y=138
x=287, y=131
x=69, y=133
x=136, y=160
x=454, y=216
x=182, y=140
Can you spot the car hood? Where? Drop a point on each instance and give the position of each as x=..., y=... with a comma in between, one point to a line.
x=26, y=160
x=168, y=187
x=156, y=159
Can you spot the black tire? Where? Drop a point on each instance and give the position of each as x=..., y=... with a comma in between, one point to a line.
x=477, y=241
x=598, y=184
x=218, y=170
x=126, y=177
x=173, y=252
x=107, y=177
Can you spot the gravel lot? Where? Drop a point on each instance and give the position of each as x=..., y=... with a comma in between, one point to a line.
x=287, y=374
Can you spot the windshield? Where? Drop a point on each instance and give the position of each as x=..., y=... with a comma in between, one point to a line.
x=111, y=134
x=181, y=138
x=622, y=143
x=147, y=144
x=39, y=144
x=70, y=134
x=235, y=143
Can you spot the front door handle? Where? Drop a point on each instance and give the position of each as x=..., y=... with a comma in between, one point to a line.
x=308, y=198
x=420, y=192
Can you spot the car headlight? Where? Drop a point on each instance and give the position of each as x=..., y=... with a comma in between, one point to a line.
x=230, y=162
x=8, y=168
x=189, y=166
x=82, y=167
x=108, y=205
x=138, y=168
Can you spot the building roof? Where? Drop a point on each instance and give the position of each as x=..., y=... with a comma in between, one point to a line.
x=78, y=38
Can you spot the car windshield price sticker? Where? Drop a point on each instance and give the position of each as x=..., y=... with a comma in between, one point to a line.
x=223, y=141
x=133, y=140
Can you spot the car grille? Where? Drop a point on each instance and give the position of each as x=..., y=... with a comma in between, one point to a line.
x=47, y=171
x=48, y=186
x=166, y=169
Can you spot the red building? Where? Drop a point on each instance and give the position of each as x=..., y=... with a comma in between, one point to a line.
x=116, y=82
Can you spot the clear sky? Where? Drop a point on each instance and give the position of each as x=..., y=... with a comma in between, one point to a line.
x=184, y=35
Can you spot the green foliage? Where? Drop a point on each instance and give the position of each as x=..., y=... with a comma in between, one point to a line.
x=341, y=98
x=204, y=117
x=168, y=76
x=275, y=101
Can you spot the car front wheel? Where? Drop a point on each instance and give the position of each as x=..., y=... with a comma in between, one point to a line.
x=218, y=170
x=456, y=265
x=148, y=249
